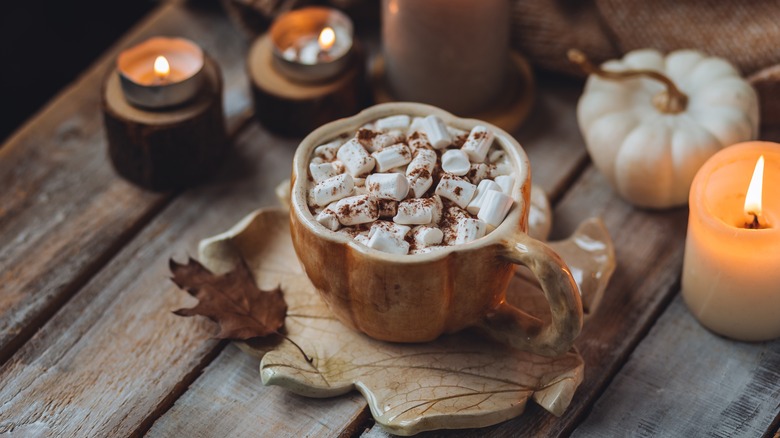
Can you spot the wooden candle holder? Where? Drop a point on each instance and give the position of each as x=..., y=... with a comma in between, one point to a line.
x=292, y=108
x=170, y=148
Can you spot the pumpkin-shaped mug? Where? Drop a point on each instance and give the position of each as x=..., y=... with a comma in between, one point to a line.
x=418, y=297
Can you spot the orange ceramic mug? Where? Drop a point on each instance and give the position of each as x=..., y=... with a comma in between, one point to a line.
x=417, y=298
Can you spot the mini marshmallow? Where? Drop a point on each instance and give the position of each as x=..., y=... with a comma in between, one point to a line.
x=393, y=186
x=420, y=170
x=456, y=189
x=436, y=131
x=419, y=184
x=392, y=156
x=360, y=209
x=506, y=182
x=484, y=186
x=417, y=211
x=478, y=172
x=469, y=230
x=328, y=151
x=387, y=241
x=376, y=140
x=338, y=165
x=355, y=158
x=386, y=139
x=399, y=231
x=400, y=122
x=387, y=208
x=495, y=207
x=360, y=190
x=362, y=239
x=359, y=182
x=478, y=143
x=327, y=217
x=438, y=209
x=322, y=171
x=425, y=235
x=502, y=167
x=496, y=155
x=417, y=140
x=417, y=124
x=456, y=162
x=332, y=189
x=449, y=222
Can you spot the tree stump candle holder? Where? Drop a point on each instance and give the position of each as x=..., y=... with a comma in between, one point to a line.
x=168, y=148
x=295, y=108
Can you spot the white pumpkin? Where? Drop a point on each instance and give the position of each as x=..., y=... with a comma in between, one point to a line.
x=648, y=138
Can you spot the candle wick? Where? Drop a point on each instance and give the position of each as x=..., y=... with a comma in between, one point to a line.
x=754, y=225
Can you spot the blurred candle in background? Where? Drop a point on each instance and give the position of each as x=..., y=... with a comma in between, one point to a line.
x=450, y=53
x=161, y=72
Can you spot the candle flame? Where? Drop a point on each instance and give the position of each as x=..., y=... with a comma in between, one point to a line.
x=327, y=38
x=753, y=197
x=161, y=67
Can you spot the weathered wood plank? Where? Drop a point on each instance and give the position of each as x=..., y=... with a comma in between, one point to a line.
x=115, y=356
x=649, y=248
x=551, y=136
x=231, y=409
x=63, y=211
x=558, y=155
x=683, y=380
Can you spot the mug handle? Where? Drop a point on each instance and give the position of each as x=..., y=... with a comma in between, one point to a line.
x=512, y=326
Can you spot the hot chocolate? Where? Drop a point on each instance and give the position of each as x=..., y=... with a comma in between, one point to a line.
x=408, y=185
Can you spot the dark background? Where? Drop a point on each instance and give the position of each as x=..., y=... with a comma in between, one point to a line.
x=46, y=44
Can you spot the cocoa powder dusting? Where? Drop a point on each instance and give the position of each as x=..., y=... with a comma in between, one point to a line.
x=366, y=135
x=383, y=211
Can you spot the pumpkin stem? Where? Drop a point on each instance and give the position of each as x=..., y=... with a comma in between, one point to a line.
x=670, y=101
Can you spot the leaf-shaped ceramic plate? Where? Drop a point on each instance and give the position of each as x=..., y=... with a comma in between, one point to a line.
x=457, y=381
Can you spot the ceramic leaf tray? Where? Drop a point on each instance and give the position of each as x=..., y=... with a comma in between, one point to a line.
x=457, y=381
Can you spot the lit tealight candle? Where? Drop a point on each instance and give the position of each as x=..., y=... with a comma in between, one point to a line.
x=312, y=44
x=161, y=72
x=731, y=271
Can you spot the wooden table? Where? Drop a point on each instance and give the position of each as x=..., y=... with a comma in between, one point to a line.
x=89, y=345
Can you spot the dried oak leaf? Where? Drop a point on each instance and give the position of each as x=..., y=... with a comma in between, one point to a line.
x=232, y=300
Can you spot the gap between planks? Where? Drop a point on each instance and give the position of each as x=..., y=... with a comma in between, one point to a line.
x=239, y=114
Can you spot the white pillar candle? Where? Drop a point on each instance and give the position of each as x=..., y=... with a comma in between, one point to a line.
x=731, y=273
x=453, y=54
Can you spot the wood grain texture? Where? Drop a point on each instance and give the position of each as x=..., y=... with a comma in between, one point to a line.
x=63, y=210
x=231, y=408
x=649, y=250
x=115, y=355
x=551, y=136
x=683, y=380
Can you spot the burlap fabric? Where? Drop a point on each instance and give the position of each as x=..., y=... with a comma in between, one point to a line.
x=747, y=33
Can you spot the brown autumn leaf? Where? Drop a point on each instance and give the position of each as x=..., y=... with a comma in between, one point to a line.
x=232, y=300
